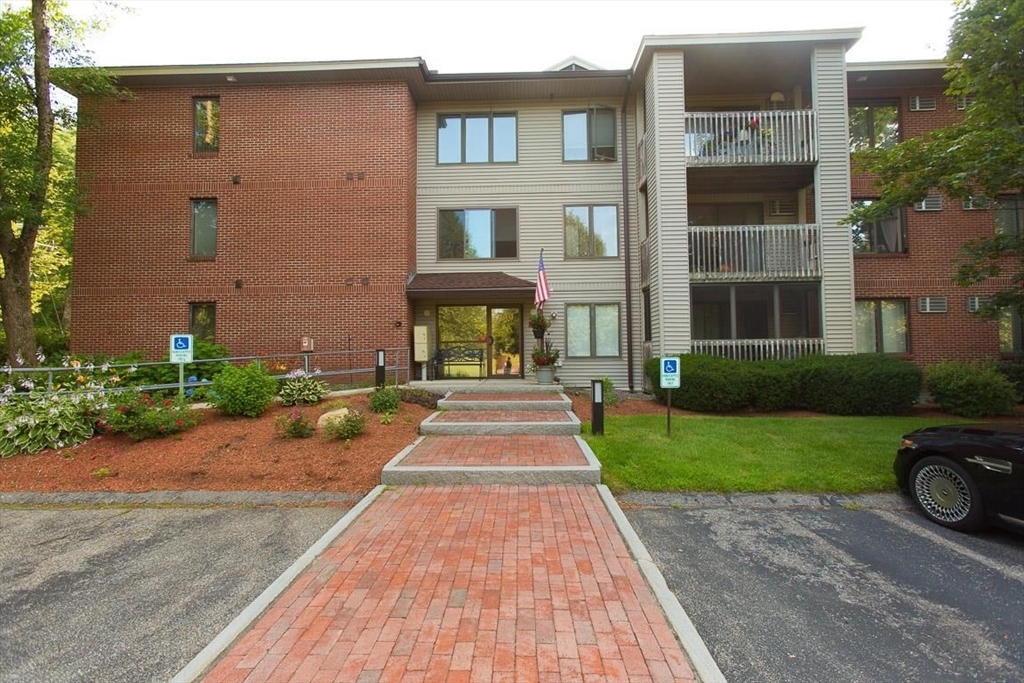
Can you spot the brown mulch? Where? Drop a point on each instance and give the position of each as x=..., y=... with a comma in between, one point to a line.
x=245, y=454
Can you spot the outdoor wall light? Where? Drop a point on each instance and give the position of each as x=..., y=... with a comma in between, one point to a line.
x=238, y=284
x=236, y=180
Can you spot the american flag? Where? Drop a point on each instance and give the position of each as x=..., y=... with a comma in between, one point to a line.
x=543, y=293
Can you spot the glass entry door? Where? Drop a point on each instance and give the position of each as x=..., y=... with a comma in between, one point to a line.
x=479, y=341
x=506, y=341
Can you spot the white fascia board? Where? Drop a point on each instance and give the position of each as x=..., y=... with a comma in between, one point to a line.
x=259, y=68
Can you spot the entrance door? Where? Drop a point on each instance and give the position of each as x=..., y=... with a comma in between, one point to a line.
x=505, y=333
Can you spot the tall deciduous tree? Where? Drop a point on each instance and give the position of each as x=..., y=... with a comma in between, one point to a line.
x=33, y=42
x=981, y=156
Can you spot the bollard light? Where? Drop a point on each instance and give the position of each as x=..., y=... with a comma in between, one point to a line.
x=379, y=370
x=597, y=407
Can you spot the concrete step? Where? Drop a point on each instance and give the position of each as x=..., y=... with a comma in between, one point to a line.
x=494, y=459
x=486, y=386
x=469, y=422
x=519, y=401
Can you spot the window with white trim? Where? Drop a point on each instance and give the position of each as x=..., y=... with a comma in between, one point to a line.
x=881, y=326
x=476, y=138
x=922, y=103
x=592, y=330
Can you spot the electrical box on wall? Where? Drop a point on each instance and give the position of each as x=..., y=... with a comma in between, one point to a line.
x=420, y=350
x=307, y=344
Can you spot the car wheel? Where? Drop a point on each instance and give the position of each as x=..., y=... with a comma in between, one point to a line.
x=946, y=494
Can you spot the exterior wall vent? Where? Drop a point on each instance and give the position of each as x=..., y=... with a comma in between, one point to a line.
x=931, y=203
x=922, y=103
x=964, y=101
x=974, y=303
x=977, y=203
x=931, y=304
x=782, y=207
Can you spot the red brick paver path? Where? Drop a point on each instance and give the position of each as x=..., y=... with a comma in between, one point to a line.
x=522, y=450
x=477, y=416
x=524, y=396
x=461, y=584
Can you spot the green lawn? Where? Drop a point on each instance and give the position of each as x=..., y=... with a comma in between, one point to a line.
x=750, y=454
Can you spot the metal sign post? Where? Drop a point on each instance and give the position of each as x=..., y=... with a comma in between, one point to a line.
x=669, y=381
x=181, y=353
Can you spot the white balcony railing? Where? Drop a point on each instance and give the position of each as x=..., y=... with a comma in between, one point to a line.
x=754, y=252
x=758, y=349
x=751, y=137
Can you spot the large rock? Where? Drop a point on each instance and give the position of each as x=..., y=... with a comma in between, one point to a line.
x=340, y=412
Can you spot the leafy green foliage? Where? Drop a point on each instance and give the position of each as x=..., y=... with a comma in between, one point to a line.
x=1013, y=370
x=39, y=420
x=141, y=417
x=422, y=397
x=303, y=388
x=385, y=400
x=971, y=389
x=294, y=425
x=246, y=391
x=608, y=392
x=167, y=373
x=707, y=383
x=347, y=426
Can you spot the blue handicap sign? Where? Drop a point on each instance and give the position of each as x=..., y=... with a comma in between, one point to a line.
x=181, y=343
x=671, y=366
x=670, y=372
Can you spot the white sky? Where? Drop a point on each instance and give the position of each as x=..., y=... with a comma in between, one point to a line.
x=485, y=35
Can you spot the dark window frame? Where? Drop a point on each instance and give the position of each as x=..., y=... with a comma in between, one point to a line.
x=200, y=132
x=879, y=336
x=494, y=242
x=193, y=235
x=1012, y=207
x=592, y=314
x=868, y=232
x=872, y=133
x=595, y=151
x=203, y=330
x=490, y=116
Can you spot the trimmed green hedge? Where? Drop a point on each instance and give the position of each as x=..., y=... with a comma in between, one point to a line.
x=864, y=384
x=971, y=389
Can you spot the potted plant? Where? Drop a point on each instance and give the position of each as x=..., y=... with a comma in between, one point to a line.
x=540, y=323
x=545, y=356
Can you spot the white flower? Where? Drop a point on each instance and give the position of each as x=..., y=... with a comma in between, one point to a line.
x=19, y=358
x=27, y=384
x=40, y=356
x=105, y=367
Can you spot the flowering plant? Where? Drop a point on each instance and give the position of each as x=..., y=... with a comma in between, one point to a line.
x=539, y=321
x=294, y=425
x=141, y=416
x=545, y=354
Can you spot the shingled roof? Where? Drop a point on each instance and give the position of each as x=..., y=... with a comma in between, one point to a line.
x=427, y=285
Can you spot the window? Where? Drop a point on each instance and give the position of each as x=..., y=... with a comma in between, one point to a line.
x=476, y=138
x=205, y=124
x=932, y=304
x=930, y=203
x=589, y=135
x=1009, y=215
x=204, y=227
x=975, y=303
x=874, y=124
x=592, y=330
x=771, y=311
x=922, y=103
x=591, y=231
x=477, y=234
x=964, y=101
x=202, y=321
x=884, y=236
x=882, y=326
x=977, y=203
x=1011, y=332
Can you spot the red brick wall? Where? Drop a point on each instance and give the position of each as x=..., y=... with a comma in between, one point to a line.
x=933, y=240
x=316, y=253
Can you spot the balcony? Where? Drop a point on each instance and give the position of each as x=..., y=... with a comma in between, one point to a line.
x=758, y=349
x=643, y=147
x=754, y=252
x=751, y=137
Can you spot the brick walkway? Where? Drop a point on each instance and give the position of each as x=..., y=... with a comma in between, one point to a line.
x=523, y=450
x=501, y=416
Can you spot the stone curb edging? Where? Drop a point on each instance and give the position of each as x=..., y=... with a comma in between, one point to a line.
x=240, y=624
x=704, y=664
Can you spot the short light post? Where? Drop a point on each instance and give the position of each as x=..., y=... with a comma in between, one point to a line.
x=379, y=369
x=597, y=407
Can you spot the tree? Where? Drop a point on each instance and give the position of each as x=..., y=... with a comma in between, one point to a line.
x=982, y=156
x=30, y=39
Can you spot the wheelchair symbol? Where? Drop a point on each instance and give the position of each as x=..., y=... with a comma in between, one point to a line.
x=181, y=343
x=669, y=367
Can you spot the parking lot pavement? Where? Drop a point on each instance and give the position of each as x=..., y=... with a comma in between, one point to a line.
x=824, y=588
x=131, y=594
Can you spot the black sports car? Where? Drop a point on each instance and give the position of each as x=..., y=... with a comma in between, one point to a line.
x=962, y=476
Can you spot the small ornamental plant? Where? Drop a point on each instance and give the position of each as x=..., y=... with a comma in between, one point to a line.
x=140, y=416
x=303, y=388
x=539, y=321
x=247, y=391
x=545, y=354
x=385, y=400
x=294, y=425
x=345, y=427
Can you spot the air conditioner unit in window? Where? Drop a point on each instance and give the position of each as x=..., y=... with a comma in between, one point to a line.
x=933, y=203
x=931, y=304
x=782, y=207
x=922, y=103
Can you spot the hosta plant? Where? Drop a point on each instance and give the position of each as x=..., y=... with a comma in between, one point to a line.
x=303, y=388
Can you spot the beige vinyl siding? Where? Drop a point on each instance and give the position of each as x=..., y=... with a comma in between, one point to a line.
x=832, y=179
x=670, y=277
x=539, y=185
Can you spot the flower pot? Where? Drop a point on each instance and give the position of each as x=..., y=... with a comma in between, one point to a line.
x=545, y=374
x=538, y=333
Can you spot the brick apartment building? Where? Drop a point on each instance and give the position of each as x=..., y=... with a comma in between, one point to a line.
x=691, y=203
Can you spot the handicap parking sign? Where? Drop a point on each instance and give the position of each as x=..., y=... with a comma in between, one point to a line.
x=181, y=348
x=670, y=373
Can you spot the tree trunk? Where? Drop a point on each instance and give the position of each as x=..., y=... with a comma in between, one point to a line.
x=16, y=306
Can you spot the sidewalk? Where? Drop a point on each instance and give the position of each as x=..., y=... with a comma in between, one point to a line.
x=486, y=582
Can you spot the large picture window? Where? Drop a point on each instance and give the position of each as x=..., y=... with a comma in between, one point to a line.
x=476, y=138
x=592, y=330
x=205, y=124
x=882, y=326
x=591, y=231
x=589, y=135
x=204, y=227
x=477, y=234
x=884, y=236
x=874, y=124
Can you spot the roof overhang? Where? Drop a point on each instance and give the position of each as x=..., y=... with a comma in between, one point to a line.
x=478, y=286
x=874, y=75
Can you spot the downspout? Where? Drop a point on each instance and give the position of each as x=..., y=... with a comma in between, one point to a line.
x=627, y=250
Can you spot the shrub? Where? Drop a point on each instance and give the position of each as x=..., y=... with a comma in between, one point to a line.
x=303, y=388
x=385, y=400
x=608, y=392
x=862, y=384
x=141, y=417
x=346, y=426
x=246, y=391
x=773, y=385
x=422, y=397
x=294, y=425
x=1013, y=370
x=971, y=389
x=39, y=420
x=167, y=373
x=707, y=383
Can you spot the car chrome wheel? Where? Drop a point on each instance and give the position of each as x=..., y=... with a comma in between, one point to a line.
x=943, y=493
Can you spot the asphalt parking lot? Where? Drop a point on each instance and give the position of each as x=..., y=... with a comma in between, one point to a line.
x=116, y=594
x=809, y=589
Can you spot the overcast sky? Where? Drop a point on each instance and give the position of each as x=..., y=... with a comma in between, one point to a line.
x=486, y=35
